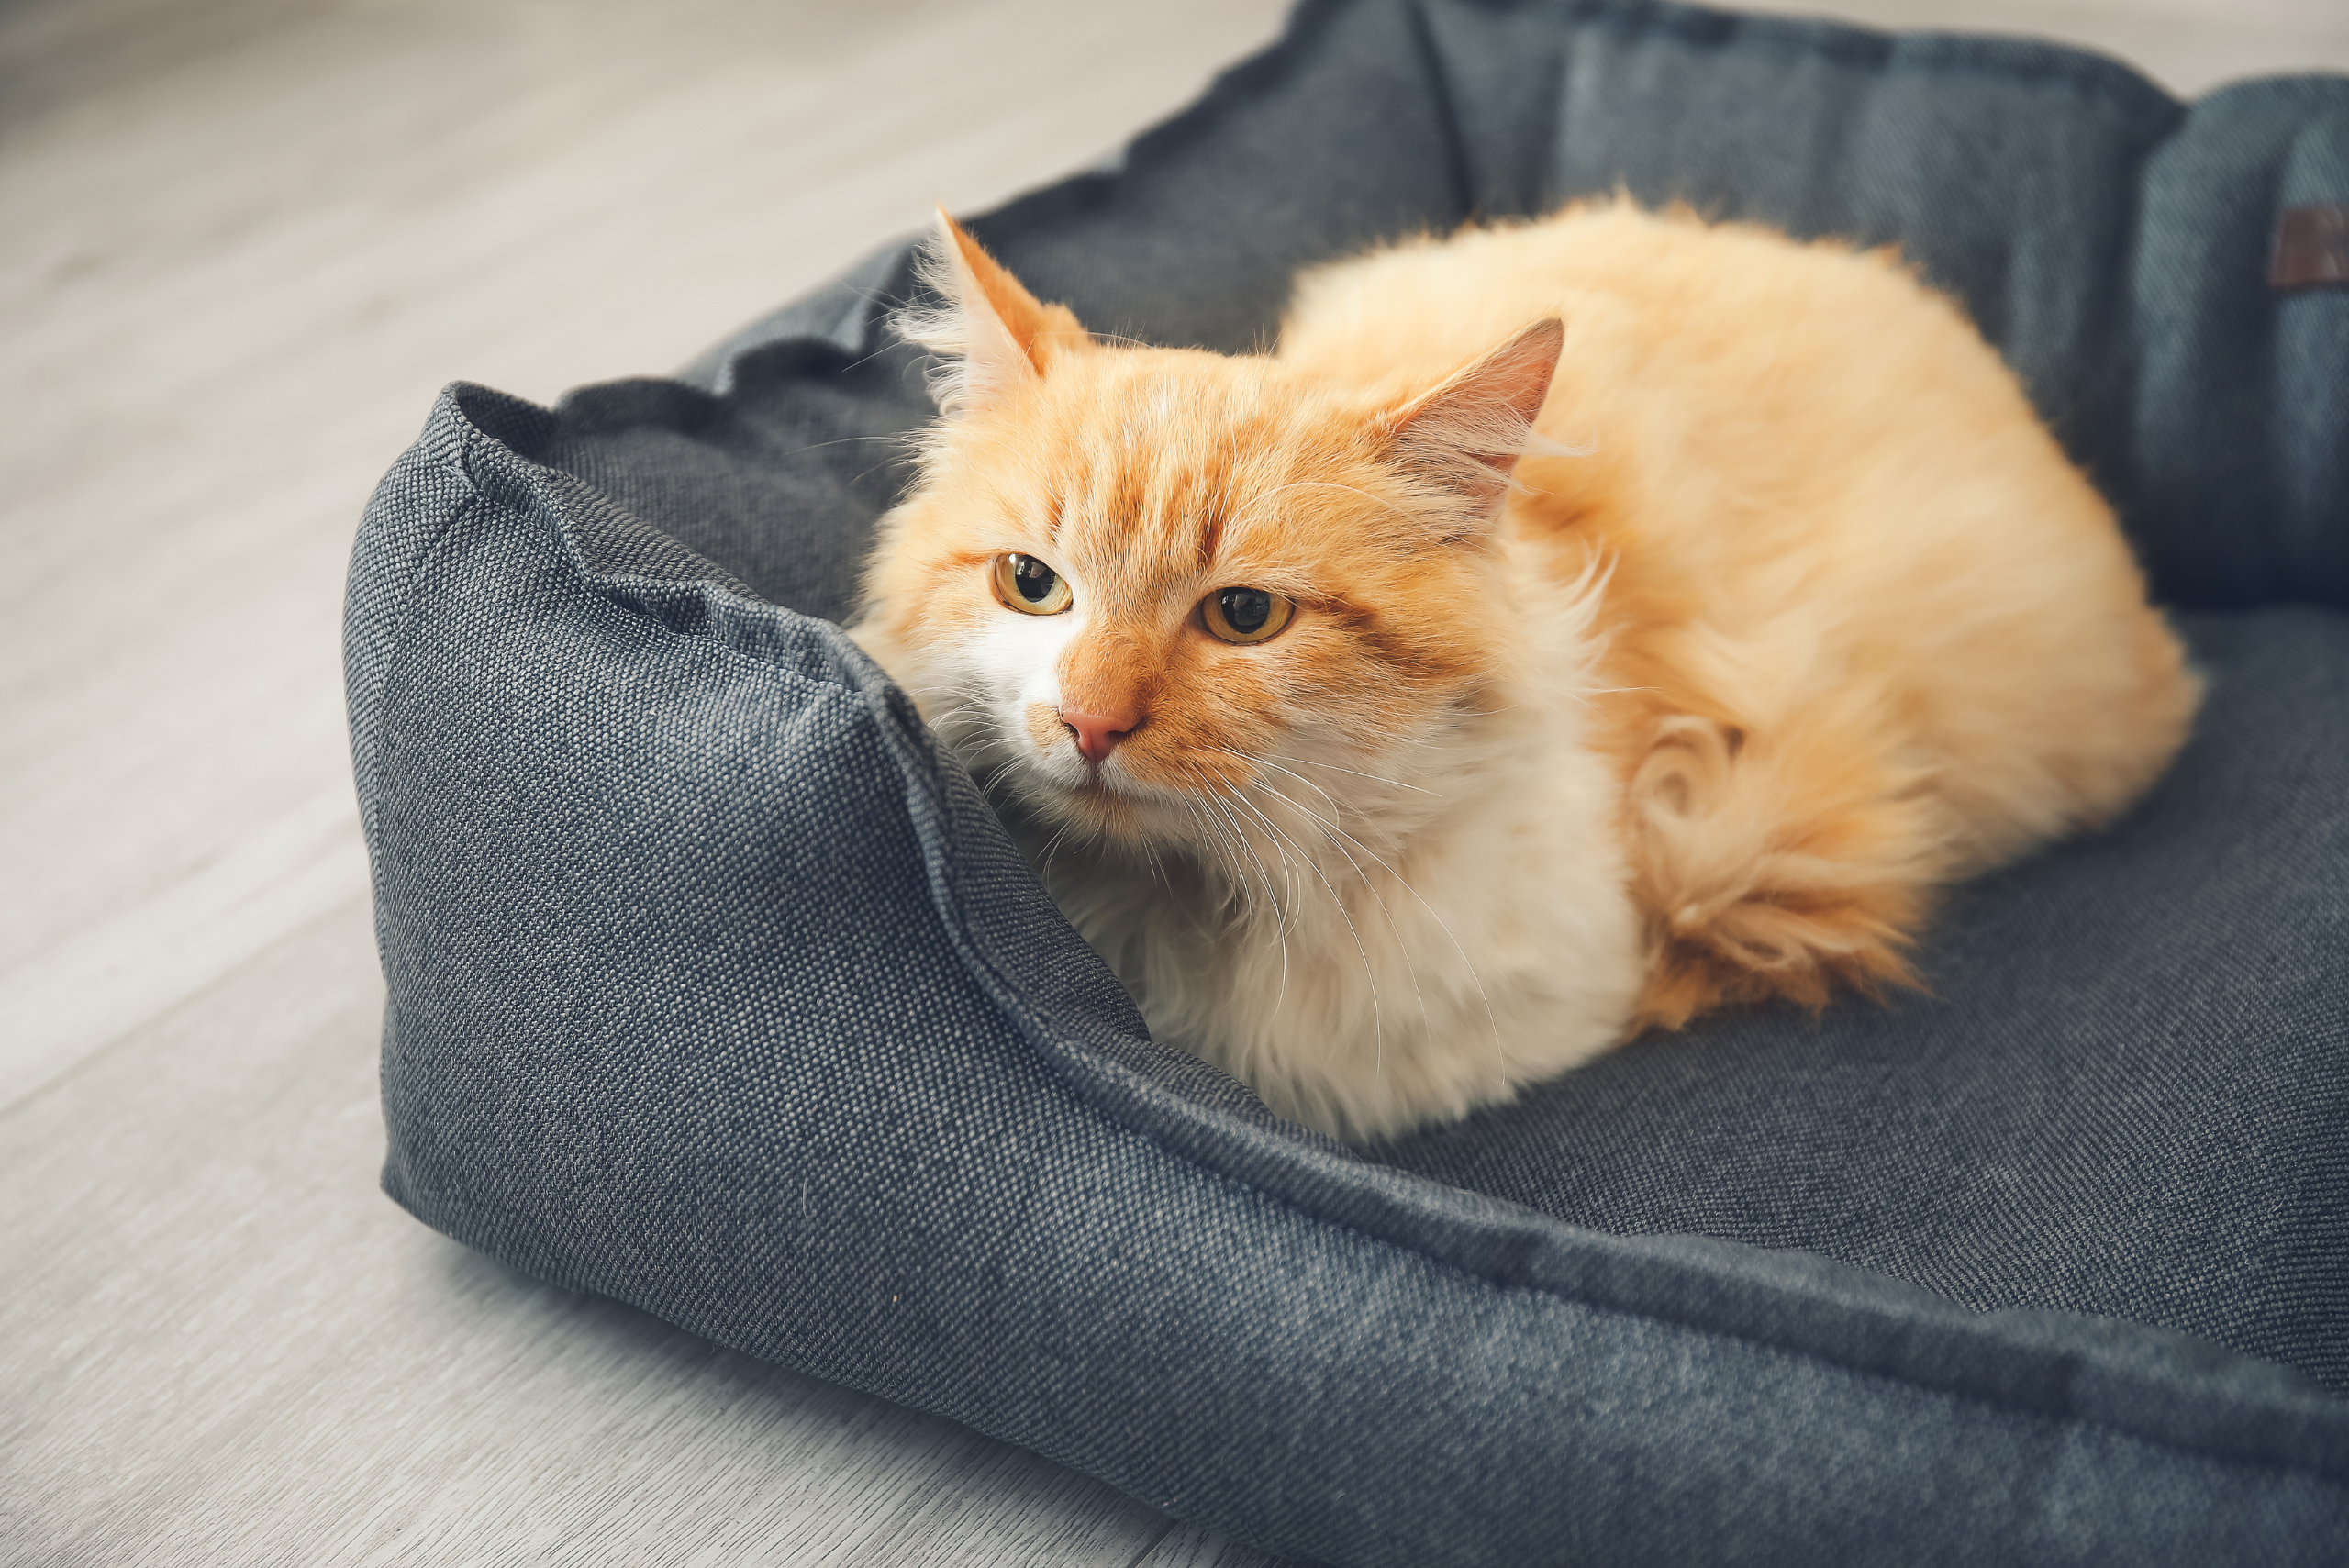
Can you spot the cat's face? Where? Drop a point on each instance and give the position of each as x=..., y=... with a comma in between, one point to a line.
x=1163, y=579
x=1163, y=597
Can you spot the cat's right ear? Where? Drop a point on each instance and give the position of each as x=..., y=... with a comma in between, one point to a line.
x=991, y=335
x=1466, y=434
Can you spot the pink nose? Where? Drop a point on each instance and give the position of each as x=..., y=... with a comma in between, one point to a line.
x=1098, y=734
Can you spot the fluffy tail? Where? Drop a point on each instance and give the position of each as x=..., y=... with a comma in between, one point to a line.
x=1779, y=868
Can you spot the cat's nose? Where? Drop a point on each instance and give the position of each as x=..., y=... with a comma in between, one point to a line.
x=1098, y=734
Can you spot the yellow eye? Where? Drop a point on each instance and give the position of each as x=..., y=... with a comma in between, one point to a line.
x=1026, y=584
x=1245, y=614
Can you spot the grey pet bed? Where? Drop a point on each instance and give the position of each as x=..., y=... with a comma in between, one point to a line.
x=715, y=987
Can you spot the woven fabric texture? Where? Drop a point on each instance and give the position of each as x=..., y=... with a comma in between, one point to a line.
x=715, y=988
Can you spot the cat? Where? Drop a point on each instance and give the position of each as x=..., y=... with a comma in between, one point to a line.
x=1576, y=626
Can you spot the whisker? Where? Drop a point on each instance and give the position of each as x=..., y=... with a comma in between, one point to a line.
x=1212, y=833
x=1055, y=843
x=844, y=440
x=1283, y=918
x=1377, y=1012
x=1484, y=997
x=1332, y=833
x=1282, y=915
x=1374, y=778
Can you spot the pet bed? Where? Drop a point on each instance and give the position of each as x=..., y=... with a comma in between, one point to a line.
x=715, y=988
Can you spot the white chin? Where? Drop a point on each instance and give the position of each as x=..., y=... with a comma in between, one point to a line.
x=1107, y=804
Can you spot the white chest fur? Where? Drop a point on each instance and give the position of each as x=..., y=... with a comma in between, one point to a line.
x=1398, y=937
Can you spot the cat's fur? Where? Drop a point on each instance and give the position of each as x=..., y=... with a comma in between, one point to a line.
x=1789, y=610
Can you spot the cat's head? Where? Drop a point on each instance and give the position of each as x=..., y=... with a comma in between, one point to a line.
x=1155, y=595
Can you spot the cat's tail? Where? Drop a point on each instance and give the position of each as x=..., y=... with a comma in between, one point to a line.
x=1786, y=867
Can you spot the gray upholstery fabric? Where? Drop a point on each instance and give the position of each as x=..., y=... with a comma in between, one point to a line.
x=716, y=988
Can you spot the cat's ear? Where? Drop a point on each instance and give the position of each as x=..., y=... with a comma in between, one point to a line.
x=992, y=335
x=1466, y=434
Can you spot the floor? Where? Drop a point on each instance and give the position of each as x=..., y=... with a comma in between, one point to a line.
x=244, y=242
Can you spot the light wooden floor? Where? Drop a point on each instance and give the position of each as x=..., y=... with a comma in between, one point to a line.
x=241, y=243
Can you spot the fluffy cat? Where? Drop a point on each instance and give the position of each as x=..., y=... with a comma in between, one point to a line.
x=1406, y=718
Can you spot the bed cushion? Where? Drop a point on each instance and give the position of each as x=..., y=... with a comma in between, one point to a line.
x=714, y=986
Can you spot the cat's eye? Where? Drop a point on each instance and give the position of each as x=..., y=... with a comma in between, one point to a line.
x=1245, y=614
x=1026, y=584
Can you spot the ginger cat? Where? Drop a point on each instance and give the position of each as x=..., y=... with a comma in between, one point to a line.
x=1406, y=718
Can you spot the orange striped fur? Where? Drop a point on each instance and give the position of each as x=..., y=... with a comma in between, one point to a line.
x=1675, y=606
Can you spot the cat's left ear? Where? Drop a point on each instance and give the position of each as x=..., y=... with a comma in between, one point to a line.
x=994, y=336
x=1467, y=433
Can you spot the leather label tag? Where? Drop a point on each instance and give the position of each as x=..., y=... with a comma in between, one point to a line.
x=2312, y=248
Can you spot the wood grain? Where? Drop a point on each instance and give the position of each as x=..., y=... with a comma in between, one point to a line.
x=243, y=244
x=234, y=273
x=254, y=1357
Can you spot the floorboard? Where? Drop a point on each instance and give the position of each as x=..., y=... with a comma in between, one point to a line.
x=245, y=242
